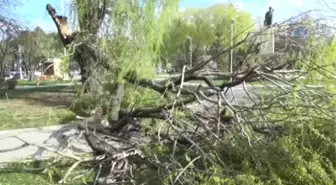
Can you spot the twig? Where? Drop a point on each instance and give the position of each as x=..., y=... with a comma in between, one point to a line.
x=98, y=174
x=7, y=97
x=183, y=170
x=179, y=92
x=219, y=105
x=63, y=180
x=173, y=105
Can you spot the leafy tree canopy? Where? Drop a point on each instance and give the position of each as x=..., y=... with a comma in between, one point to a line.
x=207, y=27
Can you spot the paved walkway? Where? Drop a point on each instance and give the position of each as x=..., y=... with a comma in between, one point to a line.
x=54, y=138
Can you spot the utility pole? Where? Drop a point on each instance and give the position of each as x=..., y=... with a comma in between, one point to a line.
x=231, y=51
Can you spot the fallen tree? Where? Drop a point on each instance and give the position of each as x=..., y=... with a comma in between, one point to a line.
x=199, y=128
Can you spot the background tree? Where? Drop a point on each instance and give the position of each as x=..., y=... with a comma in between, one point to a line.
x=6, y=14
x=8, y=29
x=6, y=57
x=37, y=47
x=210, y=30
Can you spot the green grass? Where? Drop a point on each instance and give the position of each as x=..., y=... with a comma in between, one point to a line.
x=26, y=114
x=22, y=174
x=22, y=179
x=35, y=107
x=27, y=108
x=42, y=82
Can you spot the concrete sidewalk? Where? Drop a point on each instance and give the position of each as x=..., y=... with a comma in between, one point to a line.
x=55, y=138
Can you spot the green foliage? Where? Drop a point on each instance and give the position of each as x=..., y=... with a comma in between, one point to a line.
x=90, y=14
x=37, y=47
x=65, y=64
x=139, y=36
x=302, y=156
x=132, y=44
x=9, y=84
x=6, y=54
x=141, y=97
x=303, y=151
x=210, y=30
x=321, y=62
x=137, y=29
x=22, y=173
x=86, y=102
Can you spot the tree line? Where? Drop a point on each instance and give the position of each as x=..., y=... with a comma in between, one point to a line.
x=31, y=47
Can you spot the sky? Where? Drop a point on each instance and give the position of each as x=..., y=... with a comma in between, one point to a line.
x=33, y=13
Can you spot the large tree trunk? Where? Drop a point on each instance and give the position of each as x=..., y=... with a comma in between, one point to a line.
x=85, y=53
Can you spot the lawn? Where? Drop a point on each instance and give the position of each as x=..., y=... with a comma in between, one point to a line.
x=10, y=178
x=42, y=82
x=35, y=107
x=24, y=178
x=27, y=108
x=23, y=174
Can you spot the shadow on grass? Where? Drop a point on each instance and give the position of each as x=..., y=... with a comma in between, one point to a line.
x=35, y=107
x=64, y=100
x=30, y=90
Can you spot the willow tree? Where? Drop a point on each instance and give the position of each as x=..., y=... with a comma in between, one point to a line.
x=116, y=39
x=233, y=143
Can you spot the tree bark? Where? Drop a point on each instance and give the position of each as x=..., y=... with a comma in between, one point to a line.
x=116, y=102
